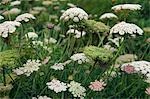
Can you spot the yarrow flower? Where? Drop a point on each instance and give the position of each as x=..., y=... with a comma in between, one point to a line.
x=60, y=66
x=78, y=34
x=41, y=97
x=142, y=67
x=8, y=27
x=80, y=58
x=76, y=89
x=97, y=85
x=31, y=35
x=74, y=14
x=24, y=17
x=126, y=28
x=127, y=7
x=57, y=86
x=28, y=68
x=108, y=16
x=147, y=91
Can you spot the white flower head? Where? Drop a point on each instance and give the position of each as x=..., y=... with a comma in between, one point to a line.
x=41, y=97
x=74, y=14
x=1, y=17
x=60, y=66
x=13, y=11
x=80, y=58
x=126, y=7
x=78, y=34
x=8, y=27
x=108, y=16
x=123, y=28
x=24, y=17
x=14, y=3
x=142, y=67
x=117, y=41
x=76, y=89
x=50, y=41
x=57, y=86
x=28, y=68
x=31, y=35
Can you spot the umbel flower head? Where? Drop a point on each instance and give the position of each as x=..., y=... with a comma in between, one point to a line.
x=31, y=35
x=41, y=97
x=97, y=85
x=74, y=14
x=108, y=16
x=124, y=28
x=8, y=27
x=142, y=67
x=24, y=17
x=76, y=89
x=9, y=58
x=97, y=53
x=96, y=27
x=28, y=68
x=78, y=34
x=131, y=7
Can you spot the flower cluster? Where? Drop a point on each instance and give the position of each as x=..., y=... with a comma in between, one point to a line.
x=126, y=7
x=57, y=86
x=108, y=16
x=80, y=58
x=41, y=97
x=126, y=28
x=8, y=27
x=97, y=85
x=76, y=89
x=60, y=66
x=50, y=41
x=28, y=68
x=78, y=34
x=74, y=14
x=31, y=35
x=24, y=17
x=142, y=67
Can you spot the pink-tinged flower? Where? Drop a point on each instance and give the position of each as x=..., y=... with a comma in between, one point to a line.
x=147, y=91
x=97, y=85
x=129, y=69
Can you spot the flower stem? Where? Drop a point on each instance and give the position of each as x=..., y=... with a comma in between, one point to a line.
x=4, y=76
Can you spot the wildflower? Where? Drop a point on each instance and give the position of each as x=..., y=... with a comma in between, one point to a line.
x=78, y=34
x=14, y=3
x=6, y=88
x=74, y=14
x=47, y=3
x=13, y=11
x=60, y=66
x=142, y=67
x=46, y=60
x=126, y=7
x=39, y=8
x=1, y=17
x=117, y=41
x=28, y=68
x=57, y=86
x=108, y=16
x=126, y=28
x=24, y=17
x=97, y=85
x=31, y=35
x=109, y=47
x=38, y=43
x=50, y=41
x=147, y=91
x=76, y=89
x=41, y=97
x=80, y=58
x=8, y=27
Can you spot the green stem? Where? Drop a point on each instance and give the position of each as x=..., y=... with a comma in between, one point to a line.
x=4, y=76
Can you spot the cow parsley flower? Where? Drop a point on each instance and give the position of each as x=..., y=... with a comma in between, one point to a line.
x=74, y=14
x=13, y=11
x=60, y=66
x=24, y=17
x=41, y=97
x=28, y=68
x=50, y=41
x=57, y=86
x=76, y=89
x=97, y=85
x=142, y=67
x=78, y=34
x=126, y=7
x=126, y=28
x=80, y=58
x=1, y=17
x=14, y=3
x=8, y=27
x=108, y=16
x=31, y=35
